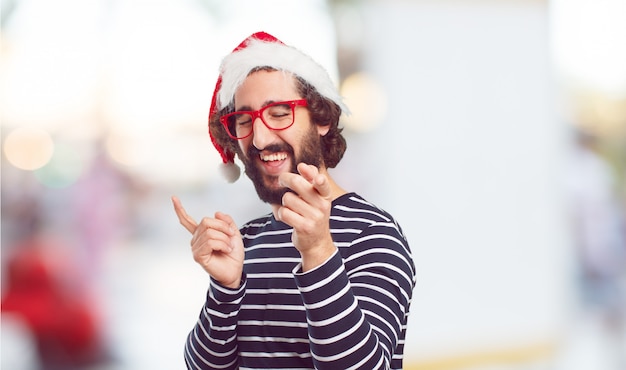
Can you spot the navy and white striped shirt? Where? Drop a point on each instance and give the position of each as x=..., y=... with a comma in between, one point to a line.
x=349, y=313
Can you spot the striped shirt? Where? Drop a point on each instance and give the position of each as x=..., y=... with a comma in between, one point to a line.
x=349, y=313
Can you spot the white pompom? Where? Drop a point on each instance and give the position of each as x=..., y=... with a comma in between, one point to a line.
x=230, y=171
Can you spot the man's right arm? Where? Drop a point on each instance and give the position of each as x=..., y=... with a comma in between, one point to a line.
x=217, y=246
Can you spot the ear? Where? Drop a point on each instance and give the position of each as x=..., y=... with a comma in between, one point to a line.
x=323, y=130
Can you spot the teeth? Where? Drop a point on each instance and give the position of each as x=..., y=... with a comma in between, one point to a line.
x=274, y=157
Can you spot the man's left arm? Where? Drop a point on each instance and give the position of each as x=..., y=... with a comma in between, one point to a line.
x=355, y=316
x=357, y=308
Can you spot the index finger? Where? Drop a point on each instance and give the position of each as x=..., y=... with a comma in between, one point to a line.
x=187, y=221
x=322, y=185
x=317, y=179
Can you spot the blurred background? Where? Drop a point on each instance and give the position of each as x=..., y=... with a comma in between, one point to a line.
x=494, y=131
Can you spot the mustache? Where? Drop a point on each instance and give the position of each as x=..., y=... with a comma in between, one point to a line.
x=273, y=148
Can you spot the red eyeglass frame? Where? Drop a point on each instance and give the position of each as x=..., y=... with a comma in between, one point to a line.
x=259, y=114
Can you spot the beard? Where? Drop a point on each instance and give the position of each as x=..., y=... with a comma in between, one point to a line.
x=311, y=153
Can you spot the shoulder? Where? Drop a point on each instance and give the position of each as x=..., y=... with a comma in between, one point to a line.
x=352, y=210
x=356, y=221
x=368, y=236
x=354, y=206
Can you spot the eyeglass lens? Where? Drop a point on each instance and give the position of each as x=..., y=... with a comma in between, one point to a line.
x=276, y=116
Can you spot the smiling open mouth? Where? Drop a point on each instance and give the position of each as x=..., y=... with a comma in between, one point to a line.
x=273, y=157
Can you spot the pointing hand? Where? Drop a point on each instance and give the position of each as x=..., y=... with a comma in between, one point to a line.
x=307, y=210
x=216, y=245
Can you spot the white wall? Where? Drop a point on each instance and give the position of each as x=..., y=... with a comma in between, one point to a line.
x=468, y=159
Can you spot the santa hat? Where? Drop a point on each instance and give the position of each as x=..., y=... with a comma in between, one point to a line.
x=263, y=50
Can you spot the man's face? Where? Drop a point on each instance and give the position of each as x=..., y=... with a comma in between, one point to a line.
x=268, y=153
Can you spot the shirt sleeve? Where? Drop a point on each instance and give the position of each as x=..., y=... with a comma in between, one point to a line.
x=357, y=307
x=212, y=344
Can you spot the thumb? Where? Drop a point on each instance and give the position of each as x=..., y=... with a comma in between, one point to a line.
x=229, y=220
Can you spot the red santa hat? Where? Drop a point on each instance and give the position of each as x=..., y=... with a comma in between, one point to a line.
x=263, y=50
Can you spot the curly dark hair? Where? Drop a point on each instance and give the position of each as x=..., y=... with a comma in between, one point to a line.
x=323, y=112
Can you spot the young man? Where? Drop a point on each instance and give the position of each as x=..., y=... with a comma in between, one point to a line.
x=323, y=281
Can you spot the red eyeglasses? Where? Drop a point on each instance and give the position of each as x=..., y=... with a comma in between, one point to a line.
x=275, y=116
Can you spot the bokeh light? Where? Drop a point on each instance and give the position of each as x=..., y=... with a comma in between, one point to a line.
x=127, y=150
x=28, y=148
x=64, y=168
x=367, y=101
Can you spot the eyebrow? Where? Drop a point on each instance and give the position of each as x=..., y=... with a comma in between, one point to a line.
x=265, y=104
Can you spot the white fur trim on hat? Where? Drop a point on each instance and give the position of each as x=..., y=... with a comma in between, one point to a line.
x=257, y=53
x=230, y=171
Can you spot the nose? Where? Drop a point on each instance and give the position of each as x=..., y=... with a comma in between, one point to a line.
x=261, y=135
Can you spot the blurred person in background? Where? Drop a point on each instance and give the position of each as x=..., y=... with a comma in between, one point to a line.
x=43, y=292
x=323, y=281
x=598, y=225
